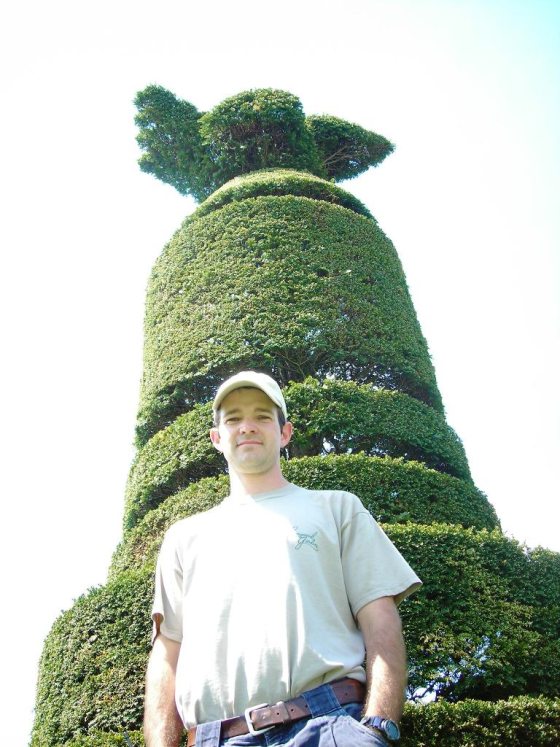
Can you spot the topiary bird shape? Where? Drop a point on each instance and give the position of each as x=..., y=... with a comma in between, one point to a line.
x=196, y=152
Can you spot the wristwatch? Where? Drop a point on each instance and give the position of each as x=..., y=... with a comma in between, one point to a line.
x=388, y=728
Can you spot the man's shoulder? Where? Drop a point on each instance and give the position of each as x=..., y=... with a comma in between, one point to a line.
x=193, y=523
x=336, y=499
x=328, y=494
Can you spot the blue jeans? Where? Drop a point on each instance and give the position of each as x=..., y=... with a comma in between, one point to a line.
x=330, y=725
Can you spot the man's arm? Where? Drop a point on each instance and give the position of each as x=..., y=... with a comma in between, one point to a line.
x=386, y=665
x=162, y=724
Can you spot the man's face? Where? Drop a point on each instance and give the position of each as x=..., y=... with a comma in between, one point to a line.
x=249, y=434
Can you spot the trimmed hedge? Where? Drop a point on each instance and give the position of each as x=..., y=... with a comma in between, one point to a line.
x=170, y=139
x=393, y=490
x=517, y=722
x=279, y=182
x=173, y=458
x=342, y=417
x=140, y=545
x=346, y=149
x=334, y=417
x=396, y=491
x=107, y=739
x=91, y=674
x=258, y=129
x=477, y=629
x=297, y=286
x=286, y=272
x=474, y=630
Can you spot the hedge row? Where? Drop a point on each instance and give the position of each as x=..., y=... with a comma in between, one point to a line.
x=174, y=457
x=517, y=722
x=393, y=490
x=480, y=628
x=476, y=629
x=333, y=417
x=91, y=670
x=108, y=739
x=342, y=417
x=258, y=129
x=279, y=182
x=397, y=491
x=293, y=285
x=141, y=543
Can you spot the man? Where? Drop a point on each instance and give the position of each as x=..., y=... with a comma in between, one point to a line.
x=274, y=597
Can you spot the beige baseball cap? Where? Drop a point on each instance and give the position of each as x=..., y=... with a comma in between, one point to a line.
x=252, y=379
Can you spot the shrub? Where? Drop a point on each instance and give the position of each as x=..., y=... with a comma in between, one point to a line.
x=393, y=490
x=279, y=182
x=517, y=722
x=295, y=286
x=92, y=668
x=333, y=417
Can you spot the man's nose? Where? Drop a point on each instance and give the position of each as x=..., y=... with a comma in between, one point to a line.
x=247, y=425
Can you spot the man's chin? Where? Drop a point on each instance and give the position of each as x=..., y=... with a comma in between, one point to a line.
x=252, y=466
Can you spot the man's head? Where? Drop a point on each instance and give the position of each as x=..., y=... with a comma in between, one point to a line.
x=251, y=380
x=250, y=425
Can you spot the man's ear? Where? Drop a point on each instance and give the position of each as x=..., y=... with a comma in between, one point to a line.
x=215, y=438
x=286, y=433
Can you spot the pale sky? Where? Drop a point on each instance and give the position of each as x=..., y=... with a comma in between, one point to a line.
x=468, y=90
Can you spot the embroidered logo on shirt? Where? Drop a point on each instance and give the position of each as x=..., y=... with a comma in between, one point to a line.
x=306, y=539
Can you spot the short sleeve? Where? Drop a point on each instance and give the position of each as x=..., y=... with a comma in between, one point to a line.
x=167, y=609
x=372, y=565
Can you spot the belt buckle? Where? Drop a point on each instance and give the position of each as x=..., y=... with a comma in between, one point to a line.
x=250, y=726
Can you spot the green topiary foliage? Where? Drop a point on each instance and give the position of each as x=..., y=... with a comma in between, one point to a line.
x=545, y=566
x=298, y=286
x=141, y=544
x=343, y=417
x=174, y=457
x=542, y=590
x=280, y=270
x=170, y=139
x=392, y=489
x=280, y=182
x=93, y=663
x=346, y=149
x=257, y=129
x=106, y=739
x=334, y=417
x=395, y=491
x=474, y=630
x=517, y=722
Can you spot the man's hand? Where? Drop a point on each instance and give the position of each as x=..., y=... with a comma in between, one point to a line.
x=386, y=665
x=162, y=724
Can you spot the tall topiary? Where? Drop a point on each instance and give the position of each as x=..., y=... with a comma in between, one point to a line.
x=281, y=270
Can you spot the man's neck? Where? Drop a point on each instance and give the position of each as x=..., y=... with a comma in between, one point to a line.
x=253, y=484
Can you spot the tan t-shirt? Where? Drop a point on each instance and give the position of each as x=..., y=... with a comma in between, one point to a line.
x=262, y=592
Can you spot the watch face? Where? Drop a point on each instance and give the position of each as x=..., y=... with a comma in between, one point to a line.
x=391, y=730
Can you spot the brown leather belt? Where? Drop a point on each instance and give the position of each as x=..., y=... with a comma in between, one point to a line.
x=285, y=712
